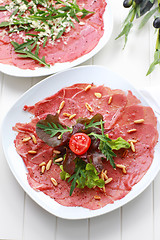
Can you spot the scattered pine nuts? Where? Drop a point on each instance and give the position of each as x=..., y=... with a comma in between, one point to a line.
x=56, y=151
x=87, y=88
x=59, y=137
x=32, y=152
x=132, y=147
x=54, y=181
x=34, y=139
x=98, y=95
x=139, y=121
x=88, y=107
x=48, y=165
x=132, y=130
x=59, y=160
x=72, y=116
x=110, y=100
x=42, y=164
x=26, y=139
x=43, y=169
x=96, y=197
x=122, y=167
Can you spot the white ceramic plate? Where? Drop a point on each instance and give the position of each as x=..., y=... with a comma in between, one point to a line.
x=86, y=74
x=43, y=71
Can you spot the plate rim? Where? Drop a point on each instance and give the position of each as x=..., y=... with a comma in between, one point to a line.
x=86, y=212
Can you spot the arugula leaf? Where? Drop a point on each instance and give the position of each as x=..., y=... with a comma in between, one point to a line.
x=52, y=129
x=85, y=175
x=107, y=145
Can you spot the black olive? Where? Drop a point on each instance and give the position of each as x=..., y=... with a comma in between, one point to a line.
x=127, y=3
x=156, y=22
x=138, y=1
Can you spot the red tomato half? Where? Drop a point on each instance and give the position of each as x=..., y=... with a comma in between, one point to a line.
x=79, y=143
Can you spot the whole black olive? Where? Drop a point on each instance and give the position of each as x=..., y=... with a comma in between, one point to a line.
x=156, y=22
x=138, y=1
x=127, y=3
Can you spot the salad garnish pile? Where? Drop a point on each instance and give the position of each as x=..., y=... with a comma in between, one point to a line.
x=83, y=148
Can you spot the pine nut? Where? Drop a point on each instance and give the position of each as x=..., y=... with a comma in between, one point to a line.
x=43, y=169
x=132, y=130
x=110, y=100
x=87, y=88
x=122, y=167
x=139, y=121
x=89, y=108
x=42, y=164
x=48, y=165
x=32, y=152
x=98, y=95
x=34, y=139
x=59, y=160
x=72, y=116
x=26, y=139
x=56, y=151
x=66, y=114
x=54, y=181
x=132, y=147
x=96, y=197
x=108, y=180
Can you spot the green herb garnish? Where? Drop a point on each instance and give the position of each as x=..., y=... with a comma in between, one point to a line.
x=85, y=174
x=46, y=20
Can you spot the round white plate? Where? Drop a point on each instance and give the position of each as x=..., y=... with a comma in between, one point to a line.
x=86, y=74
x=43, y=71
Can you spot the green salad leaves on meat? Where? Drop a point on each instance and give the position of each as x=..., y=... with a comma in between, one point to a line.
x=82, y=170
x=40, y=21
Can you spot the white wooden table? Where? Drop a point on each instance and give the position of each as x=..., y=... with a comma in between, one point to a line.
x=23, y=219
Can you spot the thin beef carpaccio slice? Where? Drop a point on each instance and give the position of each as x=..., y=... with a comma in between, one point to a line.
x=79, y=41
x=119, y=115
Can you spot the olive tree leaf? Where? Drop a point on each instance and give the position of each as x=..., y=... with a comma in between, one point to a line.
x=147, y=17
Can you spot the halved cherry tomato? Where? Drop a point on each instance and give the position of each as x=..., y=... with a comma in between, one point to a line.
x=79, y=143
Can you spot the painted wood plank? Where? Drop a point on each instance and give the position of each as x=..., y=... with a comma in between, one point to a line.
x=107, y=226
x=137, y=217
x=12, y=195
x=38, y=223
x=72, y=229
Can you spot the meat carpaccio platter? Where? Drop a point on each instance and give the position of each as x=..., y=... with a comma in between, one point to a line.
x=43, y=37
x=47, y=144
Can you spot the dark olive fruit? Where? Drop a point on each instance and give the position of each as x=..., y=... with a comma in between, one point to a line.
x=138, y=1
x=156, y=22
x=127, y=3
